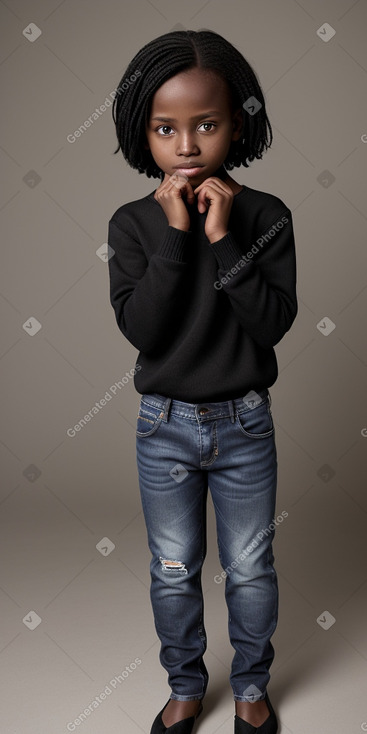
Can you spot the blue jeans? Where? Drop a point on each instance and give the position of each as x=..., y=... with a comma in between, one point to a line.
x=182, y=448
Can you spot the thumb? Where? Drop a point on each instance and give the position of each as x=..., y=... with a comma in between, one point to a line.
x=190, y=196
x=202, y=207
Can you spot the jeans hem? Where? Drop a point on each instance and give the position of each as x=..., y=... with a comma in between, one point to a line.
x=197, y=697
x=250, y=699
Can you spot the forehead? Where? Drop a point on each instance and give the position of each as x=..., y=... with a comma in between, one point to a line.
x=193, y=88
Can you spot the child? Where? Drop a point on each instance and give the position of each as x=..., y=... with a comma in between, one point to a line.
x=203, y=284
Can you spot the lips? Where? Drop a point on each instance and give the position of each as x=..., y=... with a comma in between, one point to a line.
x=189, y=165
x=189, y=170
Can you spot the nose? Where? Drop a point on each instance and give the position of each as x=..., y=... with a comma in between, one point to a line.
x=186, y=144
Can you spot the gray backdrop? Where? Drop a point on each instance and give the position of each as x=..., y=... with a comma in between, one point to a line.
x=74, y=596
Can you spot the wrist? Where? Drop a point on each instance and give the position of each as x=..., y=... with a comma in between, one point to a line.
x=214, y=237
x=178, y=226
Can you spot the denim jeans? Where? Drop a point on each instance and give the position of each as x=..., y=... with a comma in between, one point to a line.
x=182, y=449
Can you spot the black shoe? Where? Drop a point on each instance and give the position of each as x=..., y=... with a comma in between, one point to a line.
x=185, y=726
x=269, y=726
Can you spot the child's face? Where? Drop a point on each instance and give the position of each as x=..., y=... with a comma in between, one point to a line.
x=198, y=124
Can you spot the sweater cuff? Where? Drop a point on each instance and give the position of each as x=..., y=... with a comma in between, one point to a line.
x=226, y=252
x=173, y=245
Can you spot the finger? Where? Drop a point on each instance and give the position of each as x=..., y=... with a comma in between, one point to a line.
x=212, y=190
x=171, y=188
x=169, y=183
x=215, y=185
x=207, y=194
x=181, y=183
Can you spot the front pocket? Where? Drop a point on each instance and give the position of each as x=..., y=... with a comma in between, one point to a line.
x=256, y=423
x=148, y=421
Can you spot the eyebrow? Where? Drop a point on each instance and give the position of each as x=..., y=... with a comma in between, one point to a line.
x=195, y=117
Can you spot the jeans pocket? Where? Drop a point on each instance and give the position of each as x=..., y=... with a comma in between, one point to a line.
x=256, y=423
x=148, y=420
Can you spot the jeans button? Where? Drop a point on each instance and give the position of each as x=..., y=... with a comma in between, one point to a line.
x=202, y=411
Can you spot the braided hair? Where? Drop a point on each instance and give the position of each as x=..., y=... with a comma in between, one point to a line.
x=163, y=58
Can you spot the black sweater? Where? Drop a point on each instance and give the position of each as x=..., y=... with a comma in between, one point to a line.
x=204, y=317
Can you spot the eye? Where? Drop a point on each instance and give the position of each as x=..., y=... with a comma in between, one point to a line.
x=211, y=124
x=164, y=127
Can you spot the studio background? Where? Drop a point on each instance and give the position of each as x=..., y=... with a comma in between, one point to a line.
x=74, y=590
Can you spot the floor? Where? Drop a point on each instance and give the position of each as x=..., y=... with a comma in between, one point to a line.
x=95, y=645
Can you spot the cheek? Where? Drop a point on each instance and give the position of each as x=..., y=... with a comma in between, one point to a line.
x=222, y=140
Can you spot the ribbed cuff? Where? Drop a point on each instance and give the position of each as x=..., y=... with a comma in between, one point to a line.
x=173, y=245
x=226, y=251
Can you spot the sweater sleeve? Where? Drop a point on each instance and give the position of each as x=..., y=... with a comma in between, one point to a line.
x=144, y=293
x=262, y=290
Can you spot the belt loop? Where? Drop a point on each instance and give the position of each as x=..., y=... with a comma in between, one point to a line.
x=231, y=410
x=167, y=406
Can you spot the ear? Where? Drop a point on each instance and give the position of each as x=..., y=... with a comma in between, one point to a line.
x=237, y=121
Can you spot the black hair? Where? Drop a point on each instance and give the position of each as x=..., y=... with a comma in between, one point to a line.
x=163, y=58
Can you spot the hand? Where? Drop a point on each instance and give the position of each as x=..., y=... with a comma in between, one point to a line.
x=215, y=195
x=170, y=196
